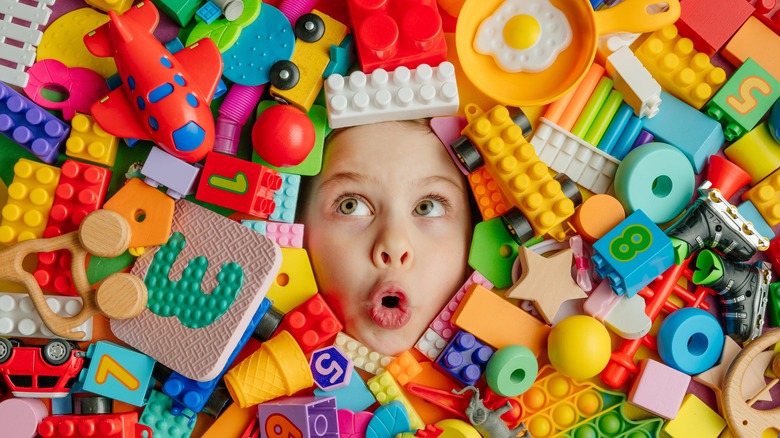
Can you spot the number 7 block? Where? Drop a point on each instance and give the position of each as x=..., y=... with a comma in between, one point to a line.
x=633, y=254
x=119, y=373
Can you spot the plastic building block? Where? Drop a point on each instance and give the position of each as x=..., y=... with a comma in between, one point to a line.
x=163, y=169
x=493, y=252
x=591, y=168
x=545, y=281
x=353, y=424
x=756, y=152
x=180, y=11
x=442, y=324
x=659, y=389
x=744, y=99
x=387, y=390
x=305, y=416
x=592, y=107
x=30, y=197
x=404, y=368
x=430, y=344
x=389, y=419
x=631, y=78
x=342, y=57
x=398, y=95
x=690, y=340
x=21, y=416
x=157, y=416
x=750, y=212
x=30, y=126
x=119, y=373
x=214, y=241
x=83, y=86
x=709, y=30
x=18, y=317
x=394, y=34
x=285, y=235
x=295, y=281
x=225, y=32
x=464, y=358
x=88, y=141
x=656, y=179
x=695, y=418
x=246, y=63
x=331, y=368
x=508, y=325
x=148, y=211
x=208, y=12
x=490, y=200
x=20, y=24
x=355, y=396
x=742, y=46
x=622, y=314
x=124, y=425
x=511, y=370
x=311, y=323
x=311, y=56
x=632, y=254
x=286, y=198
x=596, y=216
x=615, y=128
x=627, y=138
x=363, y=357
x=118, y=6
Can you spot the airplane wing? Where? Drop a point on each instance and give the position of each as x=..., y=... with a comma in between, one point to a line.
x=203, y=64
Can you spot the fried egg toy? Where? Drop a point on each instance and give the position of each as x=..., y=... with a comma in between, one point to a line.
x=524, y=35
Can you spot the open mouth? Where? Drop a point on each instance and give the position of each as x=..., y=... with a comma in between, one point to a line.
x=389, y=309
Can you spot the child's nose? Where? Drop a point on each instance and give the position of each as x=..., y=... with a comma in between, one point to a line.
x=393, y=249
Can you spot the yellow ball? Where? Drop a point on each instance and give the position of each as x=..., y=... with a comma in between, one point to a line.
x=579, y=347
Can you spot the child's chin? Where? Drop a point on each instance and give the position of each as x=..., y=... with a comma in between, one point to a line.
x=389, y=343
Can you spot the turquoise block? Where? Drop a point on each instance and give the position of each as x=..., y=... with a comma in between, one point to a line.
x=690, y=340
x=627, y=138
x=286, y=198
x=616, y=128
x=687, y=129
x=157, y=415
x=119, y=373
x=750, y=213
x=356, y=397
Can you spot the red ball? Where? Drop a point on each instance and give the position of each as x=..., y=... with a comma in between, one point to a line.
x=283, y=136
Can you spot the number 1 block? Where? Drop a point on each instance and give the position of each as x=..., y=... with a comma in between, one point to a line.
x=634, y=253
x=119, y=373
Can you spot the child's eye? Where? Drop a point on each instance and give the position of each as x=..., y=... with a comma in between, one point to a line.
x=353, y=206
x=430, y=208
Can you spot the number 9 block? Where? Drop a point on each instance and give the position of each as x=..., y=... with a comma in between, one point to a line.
x=632, y=254
x=331, y=368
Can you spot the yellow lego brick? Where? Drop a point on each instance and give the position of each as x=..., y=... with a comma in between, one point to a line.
x=757, y=153
x=524, y=179
x=695, y=418
x=30, y=197
x=679, y=68
x=118, y=6
x=386, y=389
x=88, y=141
x=766, y=198
x=404, y=368
x=295, y=282
x=311, y=60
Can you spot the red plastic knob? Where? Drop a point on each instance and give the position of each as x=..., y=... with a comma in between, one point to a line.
x=283, y=136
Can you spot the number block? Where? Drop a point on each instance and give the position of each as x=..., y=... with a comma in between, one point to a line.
x=117, y=372
x=633, y=254
x=331, y=368
x=744, y=99
x=299, y=417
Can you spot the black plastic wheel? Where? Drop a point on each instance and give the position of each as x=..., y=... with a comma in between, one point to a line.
x=268, y=323
x=518, y=226
x=6, y=349
x=521, y=120
x=218, y=401
x=92, y=405
x=467, y=154
x=284, y=75
x=56, y=351
x=569, y=188
x=309, y=28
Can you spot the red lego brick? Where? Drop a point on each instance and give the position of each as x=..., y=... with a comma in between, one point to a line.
x=773, y=253
x=123, y=425
x=392, y=33
x=768, y=11
x=311, y=323
x=81, y=190
x=711, y=23
x=238, y=184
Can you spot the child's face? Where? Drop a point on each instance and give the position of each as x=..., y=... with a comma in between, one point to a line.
x=388, y=230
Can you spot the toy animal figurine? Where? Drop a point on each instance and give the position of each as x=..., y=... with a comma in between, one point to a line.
x=488, y=422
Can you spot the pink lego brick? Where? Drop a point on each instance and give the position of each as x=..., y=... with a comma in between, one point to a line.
x=442, y=324
x=659, y=389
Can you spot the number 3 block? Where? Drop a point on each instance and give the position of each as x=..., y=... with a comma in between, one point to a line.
x=119, y=373
x=331, y=368
x=633, y=254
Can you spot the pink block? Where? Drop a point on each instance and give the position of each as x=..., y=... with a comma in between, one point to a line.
x=20, y=417
x=659, y=389
x=441, y=324
x=353, y=425
x=448, y=130
x=286, y=235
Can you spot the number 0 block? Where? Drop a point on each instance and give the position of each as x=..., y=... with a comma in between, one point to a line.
x=633, y=254
x=119, y=373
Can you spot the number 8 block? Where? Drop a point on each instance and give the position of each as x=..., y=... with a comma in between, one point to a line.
x=632, y=254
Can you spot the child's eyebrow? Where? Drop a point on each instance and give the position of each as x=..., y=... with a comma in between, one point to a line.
x=440, y=178
x=343, y=176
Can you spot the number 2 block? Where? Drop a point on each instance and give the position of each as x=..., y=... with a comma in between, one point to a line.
x=632, y=254
x=119, y=373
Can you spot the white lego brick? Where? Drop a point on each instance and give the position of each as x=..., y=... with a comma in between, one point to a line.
x=363, y=357
x=18, y=317
x=162, y=168
x=38, y=14
x=586, y=165
x=639, y=88
x=610, y=43
x=431, y=344
x=399, y=95
x=14, y=76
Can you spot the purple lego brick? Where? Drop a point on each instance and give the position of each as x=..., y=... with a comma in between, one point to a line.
x=465, y=358
x=314, y=417
x=442, y=324
x=331, y=368
x=644, y=138
x=31, y=126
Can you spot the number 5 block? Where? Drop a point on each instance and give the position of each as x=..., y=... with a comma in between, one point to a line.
x=331, y=368
x=634, y=253
x=119, y=373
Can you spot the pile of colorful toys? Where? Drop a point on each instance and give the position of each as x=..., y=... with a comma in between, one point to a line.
x=624, y=157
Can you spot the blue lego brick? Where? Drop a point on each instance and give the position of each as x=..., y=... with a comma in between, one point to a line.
x=356, y=397
x=632, y=254
x=191, y=395
x=331, y=368
x=117, y=372
x=286, y=198
x=616, y=128
x=158, y=417
x=465, y=358
x=687, y=129
x=221, y=89
x=627, y=138
x=305, y=416
x=389, y=420
x=256, y=226
x=341, y=57
x=31, y=126
x=749, y=211
x=174, y=45
x=208, y=13
x=62, y=405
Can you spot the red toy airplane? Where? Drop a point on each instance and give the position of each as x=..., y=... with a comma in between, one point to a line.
x=164, y=98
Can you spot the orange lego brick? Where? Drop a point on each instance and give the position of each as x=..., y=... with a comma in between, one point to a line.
x=30, y=197
x=498, y=322
x=744, y=44
x=490, y=200
x=766, y=198
x=404, y=368
x=88, y=141
x=148, y=211
x=679, y=68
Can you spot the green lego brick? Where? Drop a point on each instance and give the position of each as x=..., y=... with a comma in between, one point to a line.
x=180, y=11
x=157, y=415
x=773, y=309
